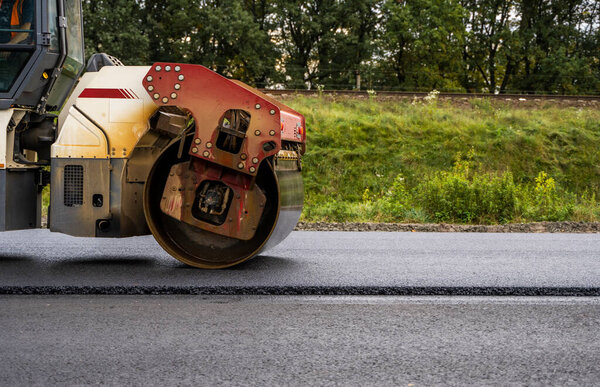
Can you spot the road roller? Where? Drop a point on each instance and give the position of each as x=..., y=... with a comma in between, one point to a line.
x=210, y=166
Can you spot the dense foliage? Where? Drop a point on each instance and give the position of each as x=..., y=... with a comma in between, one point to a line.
x=435, y=161
x=549, y=46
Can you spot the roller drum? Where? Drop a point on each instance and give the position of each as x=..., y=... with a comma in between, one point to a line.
x=281, y=182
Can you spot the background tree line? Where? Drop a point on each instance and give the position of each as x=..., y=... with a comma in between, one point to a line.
x=533, y=46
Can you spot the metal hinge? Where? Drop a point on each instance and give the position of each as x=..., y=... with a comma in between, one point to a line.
x=62, y=22
x=46, y=39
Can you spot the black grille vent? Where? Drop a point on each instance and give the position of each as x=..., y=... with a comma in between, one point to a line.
x=73, y=185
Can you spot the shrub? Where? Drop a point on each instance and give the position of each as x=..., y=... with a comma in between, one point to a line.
x=397, y=200
x=465, y=195
x=546, y=202
x=459, y=197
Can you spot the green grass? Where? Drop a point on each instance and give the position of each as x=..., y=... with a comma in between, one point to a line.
x=477, y=162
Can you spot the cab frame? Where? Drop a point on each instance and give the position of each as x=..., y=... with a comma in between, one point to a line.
x=56, y=61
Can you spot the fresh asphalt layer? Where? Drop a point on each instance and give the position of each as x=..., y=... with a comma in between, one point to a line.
x=299, y=341
x=334, y=263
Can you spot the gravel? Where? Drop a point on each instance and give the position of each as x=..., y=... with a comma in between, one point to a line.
x=541, y=227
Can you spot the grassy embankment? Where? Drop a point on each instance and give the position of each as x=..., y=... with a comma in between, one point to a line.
x=474, y=162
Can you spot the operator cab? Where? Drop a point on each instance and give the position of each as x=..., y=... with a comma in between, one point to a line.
x=41, y=52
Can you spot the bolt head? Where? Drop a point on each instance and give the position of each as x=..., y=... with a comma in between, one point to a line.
x=272, y=112
x=257, y=132
x=241, y=165
x=177, y=86
x=257, y=106
x=197, y=141
x=206, y=153
x=272, y=133
x=158, y=68
x=181, y=77
x=173, y=95
x=255, y=160
x=209, y=145
x=149, y=78
x=252, y=169
x=195, y=150
x=156, y=96
x=167, y=68
x=165, y=99
x=243, y=156
x=150, y=88
x=177, y=68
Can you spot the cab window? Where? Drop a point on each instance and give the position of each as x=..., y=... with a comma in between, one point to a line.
x=74, y=62
x=17, y=18
x=17, y=38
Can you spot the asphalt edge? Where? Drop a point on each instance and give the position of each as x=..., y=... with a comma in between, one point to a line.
x=302, y=290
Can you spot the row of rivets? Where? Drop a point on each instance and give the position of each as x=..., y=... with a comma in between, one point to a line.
x=272, y=111
x=257, y=132
x=167, y=68
x=240, y=165
x=151, y=88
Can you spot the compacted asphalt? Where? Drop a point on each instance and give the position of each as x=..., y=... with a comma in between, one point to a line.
x=299, y=340
x=323, y=308
x=41, y=262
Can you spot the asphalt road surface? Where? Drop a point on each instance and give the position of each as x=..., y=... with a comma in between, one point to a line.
x=279, y=340
x=475, y=309
x=39, y=261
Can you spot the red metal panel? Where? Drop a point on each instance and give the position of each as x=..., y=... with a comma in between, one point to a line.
x=293, y=125
x=207, y=96
x=247, y=206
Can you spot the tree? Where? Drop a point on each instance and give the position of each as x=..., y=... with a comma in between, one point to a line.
x=459, y=45
x=305, y=31
x=421, y=43
x=490, y=37
x=116, y=27
x=561, y=43
x=222, y=35
x=344, y=54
